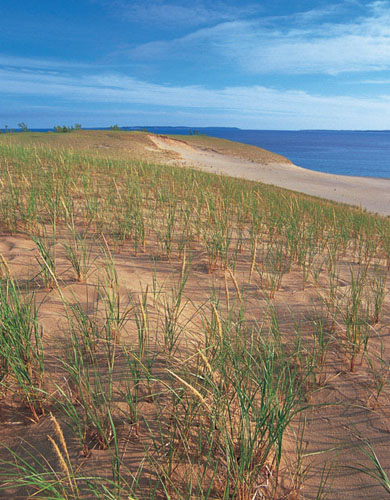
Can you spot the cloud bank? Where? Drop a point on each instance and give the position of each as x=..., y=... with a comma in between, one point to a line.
x=258, y=106
x=304, y=43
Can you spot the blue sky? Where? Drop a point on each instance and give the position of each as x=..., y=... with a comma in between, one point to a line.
x=270, y=64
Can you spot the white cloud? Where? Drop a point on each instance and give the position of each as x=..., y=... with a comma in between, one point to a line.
x=245, y=106
x=293, y=45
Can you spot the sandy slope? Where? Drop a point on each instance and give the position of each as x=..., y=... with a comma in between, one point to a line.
x=370, y=193
x=334, y=430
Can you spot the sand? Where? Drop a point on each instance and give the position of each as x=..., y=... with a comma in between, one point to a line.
x=369, y=193
x=334, y=429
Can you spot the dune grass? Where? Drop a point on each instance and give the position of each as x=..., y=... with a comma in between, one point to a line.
x=206, y=389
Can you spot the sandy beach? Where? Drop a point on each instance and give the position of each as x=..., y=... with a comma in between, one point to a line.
x=369, y=193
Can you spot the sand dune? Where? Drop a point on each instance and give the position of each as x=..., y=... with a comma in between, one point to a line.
x=345, y=408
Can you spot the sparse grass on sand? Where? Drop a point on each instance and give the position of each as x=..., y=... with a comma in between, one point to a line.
x=170, y=333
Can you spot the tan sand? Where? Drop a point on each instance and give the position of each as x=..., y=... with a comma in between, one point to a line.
x=369, y=193
x=334, y=430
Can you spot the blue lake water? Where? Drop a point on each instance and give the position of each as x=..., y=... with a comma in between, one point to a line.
x=363, y=153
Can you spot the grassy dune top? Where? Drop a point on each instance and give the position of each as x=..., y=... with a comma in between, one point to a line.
x=167, y=333
x=114, y=144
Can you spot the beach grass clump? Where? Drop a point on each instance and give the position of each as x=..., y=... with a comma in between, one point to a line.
x=78, y=251
x=21, y=350
x=231, y=407
x=46, y=246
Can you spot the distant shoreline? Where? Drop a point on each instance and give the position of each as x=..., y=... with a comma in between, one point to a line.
x=185, y=127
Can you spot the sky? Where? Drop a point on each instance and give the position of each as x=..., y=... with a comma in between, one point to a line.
x=265, y=64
